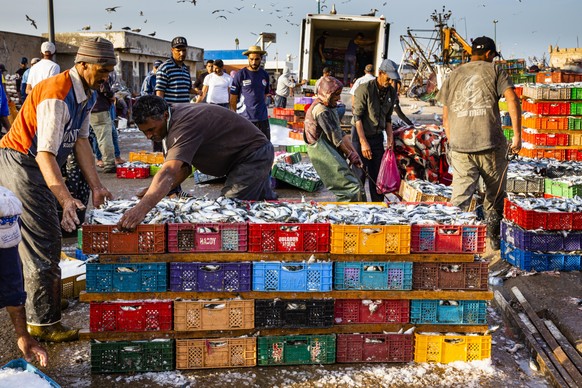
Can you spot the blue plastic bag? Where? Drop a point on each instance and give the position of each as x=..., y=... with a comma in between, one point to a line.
x=389, y=177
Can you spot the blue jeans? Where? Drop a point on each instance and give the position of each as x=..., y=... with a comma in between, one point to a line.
x=280, y=101
x=349, y=68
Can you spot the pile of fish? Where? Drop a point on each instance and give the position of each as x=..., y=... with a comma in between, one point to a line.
x=572, y=180
x=557, y=168
x=431, y=188
x=134, y=165
x=225, y=210
x=550, y=205
x=522, y=168
x=302, y=170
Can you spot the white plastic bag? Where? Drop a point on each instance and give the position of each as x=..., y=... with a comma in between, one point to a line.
x=9, y=232
x=9, y=204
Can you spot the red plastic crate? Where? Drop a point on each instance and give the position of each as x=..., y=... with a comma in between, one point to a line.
x=450, y=276
x=531, y=219
x=107, y=239
x=519, y=91
x=557, y=77
x=207, y=237
x=289, y=237
x=131, y=316
x=374, y=348
x=546, y=139
x=283, y=112
x=133, y=172
x=574, y=155
x=543, y=153
x=352, y=311
x=546, y=108
x=447, y=239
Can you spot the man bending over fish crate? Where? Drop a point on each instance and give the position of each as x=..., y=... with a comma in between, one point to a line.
x=215, y=140
x=473, y=126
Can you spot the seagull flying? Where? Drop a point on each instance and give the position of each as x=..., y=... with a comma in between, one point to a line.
x=86, y=28
x=32, y=22
x=222, y=16
x=112, y=9
x=217, y=10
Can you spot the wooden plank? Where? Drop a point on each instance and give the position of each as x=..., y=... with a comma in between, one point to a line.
x=553, y=344
x=538, y=352
x=565, y=344
x=274, y=256
x=355, y=294
x=337, y=329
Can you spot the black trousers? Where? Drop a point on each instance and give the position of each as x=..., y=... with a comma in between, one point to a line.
x=372, y=166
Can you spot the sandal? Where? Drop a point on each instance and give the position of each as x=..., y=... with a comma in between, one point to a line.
x=100, y=163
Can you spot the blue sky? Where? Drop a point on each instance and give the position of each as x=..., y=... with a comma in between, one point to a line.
x=525, y=27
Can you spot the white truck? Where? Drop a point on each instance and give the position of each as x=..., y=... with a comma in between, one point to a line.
x=340, y=30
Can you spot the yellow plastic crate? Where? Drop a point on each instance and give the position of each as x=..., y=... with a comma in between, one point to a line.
x=370, y=239
x=575, y=139
x=138, y=156
x=72, y=286
x=450, y=348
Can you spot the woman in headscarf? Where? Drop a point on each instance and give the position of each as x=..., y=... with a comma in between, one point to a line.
x=327, y=146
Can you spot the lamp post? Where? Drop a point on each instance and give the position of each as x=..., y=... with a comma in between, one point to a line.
x=318, y=6
x=465, y=20
x=495, y=31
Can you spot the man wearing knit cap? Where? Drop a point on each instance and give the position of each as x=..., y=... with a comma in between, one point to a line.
x=45, y=68
x=53, y=122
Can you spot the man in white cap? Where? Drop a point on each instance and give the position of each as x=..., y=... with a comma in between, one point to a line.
x=45, y=68
x=249, y=88
x=372, y=111
x=53, y=122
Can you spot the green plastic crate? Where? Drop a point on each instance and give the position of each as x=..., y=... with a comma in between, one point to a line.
x=523, y=78
x=296, y=350
x=576, y=94
x=297, y=181
x=503, y=106
x=132, y=356
x=561, y=189
x=275, y=121
x=508, y=133
x=154, y=168
x=576, y=108
x=297, y=148
x=574, y=123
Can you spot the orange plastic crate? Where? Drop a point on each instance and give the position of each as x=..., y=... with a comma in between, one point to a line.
x=216, y=353
x=543, y=153
x=558, y=123
x=546, y=139
x=557, y=77
x=107, y=239
x=198, y=315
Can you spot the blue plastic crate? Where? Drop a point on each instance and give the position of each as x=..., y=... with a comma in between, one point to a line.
x=296, y=276
x=21, y=363
x=373, y=276
x=210, y=277
x=544, y=241
x=445, y=312
x=131, y=277
x=79, y=255
x=528, y=261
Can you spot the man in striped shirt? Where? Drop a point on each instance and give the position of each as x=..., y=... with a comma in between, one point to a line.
x=173, y=81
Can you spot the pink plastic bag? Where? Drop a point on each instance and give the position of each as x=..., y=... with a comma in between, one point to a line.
x=389, y=177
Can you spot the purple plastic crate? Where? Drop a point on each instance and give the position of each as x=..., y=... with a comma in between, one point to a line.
x=210, y=277
x=548, y=241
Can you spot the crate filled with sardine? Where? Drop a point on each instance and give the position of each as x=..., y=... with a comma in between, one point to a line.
x=525, y=176
x=210, y=277
x=374, y=348
x=130, y=316
x=540, y=240
x=567, y=186
x=446, y=348
x=292, y=276
x=108, y=239
x=296, y=350
x=372, y=276
x=544, y=213
x=356, y=311
x=207, y=237
x=132, y=356
x=450, y=276
x=229, y=314
x=540, y=261
x=548, y=91
x=423, y=191
x=301, y=175
x=448, y=312
x=216, y=353
x=127, y=277
x=293, y=313
x=133, y=170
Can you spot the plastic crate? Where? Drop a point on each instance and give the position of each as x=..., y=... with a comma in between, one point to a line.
x=527, y=184
x=130, y=316
x=450, y=276
x=574, y=155
x=450, y=348
x=216, y=353
x=133, y=172
x=576, y=108
x=546, y=93
x=370, y=239
x=303, y=100
x=410, y=194
x=288, y=237
x=207, y=237
x=576, y=93
x=557, y=123
x=372, y=276
x=539, y=262
x=190, y=315
x=296, y=180
x=130, y=277
x=541, y=241
x=374, y=348
x=154, y=168
x=293, y=313
x=557, y=77
x=138, y=156
x=546, y=139
x=107, y=239
x=543, y=153
x=210, y=277
x=546, y=108
x=531, y=219
x=276, y=121
x=352, y=311
x=445, y=312
x=21, y=363
x=562, y=189
x=298, y=277
x=79, y=255
x=508, y=133
x=72, y=286
x=296, y=350
x=132, y=356
x=297, y=148
x=575, y=139
x=448, y=238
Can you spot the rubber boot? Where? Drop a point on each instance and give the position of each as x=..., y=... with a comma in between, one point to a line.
x=493, y=229
x=64, y=304
x=56, y=332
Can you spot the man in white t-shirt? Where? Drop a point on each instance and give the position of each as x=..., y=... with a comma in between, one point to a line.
x=368, y=76
x=216, y=87
x=45, y=68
